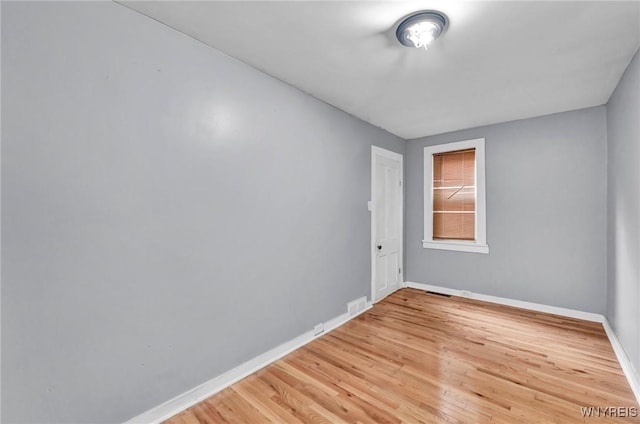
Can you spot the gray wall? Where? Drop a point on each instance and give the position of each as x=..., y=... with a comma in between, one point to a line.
x=546, y=213
x=623, y=188
x=167, y=212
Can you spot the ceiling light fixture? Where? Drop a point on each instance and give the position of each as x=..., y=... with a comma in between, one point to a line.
x=421, y=28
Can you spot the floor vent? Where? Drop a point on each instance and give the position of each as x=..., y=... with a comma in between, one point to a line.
x=438, y=294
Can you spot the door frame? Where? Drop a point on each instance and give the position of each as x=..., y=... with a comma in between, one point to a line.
x=375, y=153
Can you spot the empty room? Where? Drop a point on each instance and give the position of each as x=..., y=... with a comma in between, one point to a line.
x=320, y=212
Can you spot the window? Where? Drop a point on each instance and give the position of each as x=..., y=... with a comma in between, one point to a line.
x=454, y=197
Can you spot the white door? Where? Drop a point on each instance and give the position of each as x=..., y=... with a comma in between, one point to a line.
x=386, y=222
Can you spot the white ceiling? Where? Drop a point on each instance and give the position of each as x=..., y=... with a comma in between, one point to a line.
x=498, y=61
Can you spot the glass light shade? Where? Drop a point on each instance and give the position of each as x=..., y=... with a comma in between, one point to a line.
x=421, y=29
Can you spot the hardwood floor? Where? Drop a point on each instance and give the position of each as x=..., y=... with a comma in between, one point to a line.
x=422, y=358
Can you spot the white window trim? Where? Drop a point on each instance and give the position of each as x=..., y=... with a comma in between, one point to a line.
x=480, y=243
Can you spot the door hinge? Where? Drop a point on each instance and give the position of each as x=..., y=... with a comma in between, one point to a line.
x=399, y=270
x=400, y=183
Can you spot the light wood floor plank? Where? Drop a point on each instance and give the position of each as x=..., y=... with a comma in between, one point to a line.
x=416, y=357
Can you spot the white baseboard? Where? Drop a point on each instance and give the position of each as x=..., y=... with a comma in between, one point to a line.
x=572, y=313
x=625, y=363
x=623, y=358
x=181, y=402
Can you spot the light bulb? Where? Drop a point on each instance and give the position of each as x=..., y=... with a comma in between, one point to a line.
x=421, y=33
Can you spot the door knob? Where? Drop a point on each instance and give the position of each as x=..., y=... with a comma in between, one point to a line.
x=379, y=247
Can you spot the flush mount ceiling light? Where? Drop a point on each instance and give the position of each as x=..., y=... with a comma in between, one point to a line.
x=421, y=28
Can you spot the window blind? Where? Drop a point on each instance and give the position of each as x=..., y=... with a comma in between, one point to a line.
x=454, y=195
